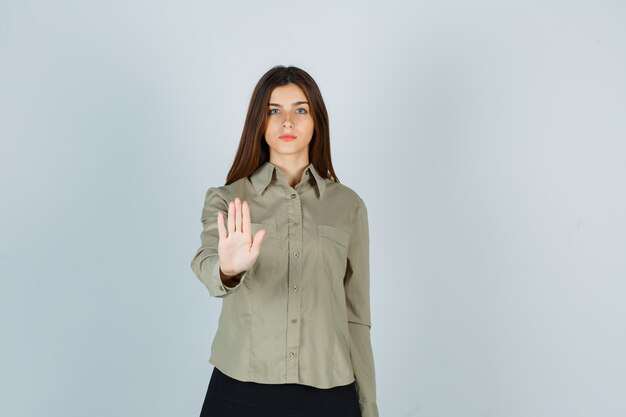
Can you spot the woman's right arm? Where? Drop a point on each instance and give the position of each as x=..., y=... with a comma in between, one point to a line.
x=226, y=235
x=206, y=262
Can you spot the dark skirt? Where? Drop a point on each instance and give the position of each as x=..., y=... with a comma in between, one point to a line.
x=228, y=397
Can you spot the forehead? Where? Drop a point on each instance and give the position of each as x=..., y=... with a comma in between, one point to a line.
x=287, y=94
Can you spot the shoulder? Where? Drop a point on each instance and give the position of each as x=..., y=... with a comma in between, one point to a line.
x=225, y=192
x=348, y=196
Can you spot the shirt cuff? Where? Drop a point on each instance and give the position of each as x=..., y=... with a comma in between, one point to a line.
x=368, y=409
x=226, y=287
x=210, y=276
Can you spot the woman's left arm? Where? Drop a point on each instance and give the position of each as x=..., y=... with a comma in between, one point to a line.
x=357, y=289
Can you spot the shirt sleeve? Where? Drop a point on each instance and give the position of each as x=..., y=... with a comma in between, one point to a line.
x=206, y=262
x=356, y=284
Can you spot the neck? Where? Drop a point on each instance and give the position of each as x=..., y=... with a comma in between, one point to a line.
x=291, y=169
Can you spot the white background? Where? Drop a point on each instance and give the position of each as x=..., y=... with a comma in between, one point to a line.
x=487, y=139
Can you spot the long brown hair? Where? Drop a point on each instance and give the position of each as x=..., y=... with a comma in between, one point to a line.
x=253, y=151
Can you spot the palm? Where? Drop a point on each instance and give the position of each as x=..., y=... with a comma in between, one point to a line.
x=237, y=249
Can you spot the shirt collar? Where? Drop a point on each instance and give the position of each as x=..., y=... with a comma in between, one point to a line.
x=262, y=177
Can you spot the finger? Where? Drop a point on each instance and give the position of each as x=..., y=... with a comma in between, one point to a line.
x=220, y=225
x=231, y=218
x=245, y=213
x=237, y=214
x=255, y=249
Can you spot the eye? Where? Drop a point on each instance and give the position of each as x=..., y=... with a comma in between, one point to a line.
x=303, y=111
x=271, y=110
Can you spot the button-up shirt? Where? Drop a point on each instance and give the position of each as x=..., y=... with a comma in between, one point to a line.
x=301, y=314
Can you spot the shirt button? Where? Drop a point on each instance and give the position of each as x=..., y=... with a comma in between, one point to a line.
x=293, y=196
x=296, y=224
x=292, y=354
x=296, y=254
x=293, y=321
x=295, y=288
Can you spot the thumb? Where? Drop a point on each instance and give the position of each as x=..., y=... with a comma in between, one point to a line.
x=257, y=240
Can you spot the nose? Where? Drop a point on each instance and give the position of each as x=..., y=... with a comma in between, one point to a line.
x=287, y=123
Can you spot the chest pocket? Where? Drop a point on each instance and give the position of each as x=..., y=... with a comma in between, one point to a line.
x=332, y=251
x=268, y=258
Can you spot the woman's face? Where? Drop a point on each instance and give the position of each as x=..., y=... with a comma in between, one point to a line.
x=289, y=114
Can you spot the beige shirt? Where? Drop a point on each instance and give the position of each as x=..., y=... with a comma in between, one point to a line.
x=301, y=314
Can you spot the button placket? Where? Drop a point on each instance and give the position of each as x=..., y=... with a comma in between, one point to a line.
x=294, y=301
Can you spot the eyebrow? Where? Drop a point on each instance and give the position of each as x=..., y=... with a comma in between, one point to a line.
x=295, y=104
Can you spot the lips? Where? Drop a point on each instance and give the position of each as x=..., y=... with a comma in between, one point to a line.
x=287, y=136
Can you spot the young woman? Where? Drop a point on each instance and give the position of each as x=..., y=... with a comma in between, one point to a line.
x=286, y=247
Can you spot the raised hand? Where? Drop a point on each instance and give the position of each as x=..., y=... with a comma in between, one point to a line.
x=238, y=251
